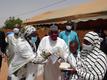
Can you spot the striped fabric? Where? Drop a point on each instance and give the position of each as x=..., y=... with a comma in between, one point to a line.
x=92, y=65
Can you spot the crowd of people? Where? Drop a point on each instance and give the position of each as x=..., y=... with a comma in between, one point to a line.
x=30, y=58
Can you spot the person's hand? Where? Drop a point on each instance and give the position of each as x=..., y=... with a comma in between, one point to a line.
x=57, y=52
x=38, y=60
x=45, y=54
x=60, y=60
x=73, y=71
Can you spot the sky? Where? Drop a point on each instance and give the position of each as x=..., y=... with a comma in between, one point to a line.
x=25, y=9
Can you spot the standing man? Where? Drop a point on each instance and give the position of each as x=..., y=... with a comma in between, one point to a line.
x=69, y=35
x=58, y=49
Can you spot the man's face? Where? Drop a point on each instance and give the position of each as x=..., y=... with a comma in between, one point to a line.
x=54, y=35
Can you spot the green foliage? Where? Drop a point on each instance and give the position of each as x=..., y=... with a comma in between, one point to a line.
x=11, y=22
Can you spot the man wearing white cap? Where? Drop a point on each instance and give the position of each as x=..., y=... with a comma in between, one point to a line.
x=12, y=40
x=57, y=48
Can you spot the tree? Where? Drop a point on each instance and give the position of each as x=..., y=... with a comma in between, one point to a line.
x=11, y=22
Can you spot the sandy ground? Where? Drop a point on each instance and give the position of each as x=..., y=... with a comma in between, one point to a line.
x=4, y=70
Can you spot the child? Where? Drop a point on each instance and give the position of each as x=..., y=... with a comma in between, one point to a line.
x=72, y=58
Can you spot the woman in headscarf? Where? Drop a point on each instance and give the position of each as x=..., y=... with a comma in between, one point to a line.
x=25, y=56
x=92, y=64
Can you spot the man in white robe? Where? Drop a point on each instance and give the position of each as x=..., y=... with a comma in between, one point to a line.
x=58, y=49
x=12, y=40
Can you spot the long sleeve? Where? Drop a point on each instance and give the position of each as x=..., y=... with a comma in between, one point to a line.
x=93, y=71
x=24, y=50
x=77, y=39
x=39, y=58
x=64, y=50
x=41, y=46
x=61, y=34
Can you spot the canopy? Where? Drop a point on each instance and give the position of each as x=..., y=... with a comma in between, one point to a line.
x=93, y=10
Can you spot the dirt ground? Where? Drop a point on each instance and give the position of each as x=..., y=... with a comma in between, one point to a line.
x=4, y=70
